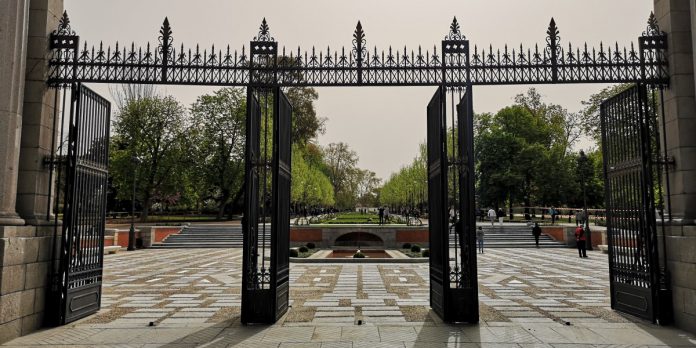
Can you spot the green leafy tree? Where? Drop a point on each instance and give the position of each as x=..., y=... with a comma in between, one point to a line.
x=524, y=154
x=149, y=142
x=219, y=139
x=306, y=125
x=591, y=124
x=341, y=164
x=368, y=188
x=310, y=186
x=409, y=185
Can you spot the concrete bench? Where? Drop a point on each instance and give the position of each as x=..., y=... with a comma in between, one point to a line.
x=604, y=248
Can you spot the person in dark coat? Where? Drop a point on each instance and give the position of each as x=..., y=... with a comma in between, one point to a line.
x=536, y=231
x=381, y=215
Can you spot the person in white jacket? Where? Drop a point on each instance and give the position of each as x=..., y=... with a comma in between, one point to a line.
x=492, y=215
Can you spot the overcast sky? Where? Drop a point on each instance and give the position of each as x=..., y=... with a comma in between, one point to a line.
x=384, y=125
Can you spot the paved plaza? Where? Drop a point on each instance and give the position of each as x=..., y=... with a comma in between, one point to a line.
x=191, y=298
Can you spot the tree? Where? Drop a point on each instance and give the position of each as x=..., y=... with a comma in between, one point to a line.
x=409, y=185
x=341, y=164
x=590, y=114
x=219, y=133
x=151, y=130
x=368, y=188
x=310, y=186
x=306, y=125
x=524, y=153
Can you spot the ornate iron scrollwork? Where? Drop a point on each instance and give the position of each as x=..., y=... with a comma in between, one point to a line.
x=455, y=34
x=653, y=28
x=264, y=32
x=362, y=66
x=64, y=28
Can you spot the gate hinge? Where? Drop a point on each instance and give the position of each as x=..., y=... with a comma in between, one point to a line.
x=49, y=161
x=666, y=160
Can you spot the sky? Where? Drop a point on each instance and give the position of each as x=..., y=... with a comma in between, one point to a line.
x=384, y=125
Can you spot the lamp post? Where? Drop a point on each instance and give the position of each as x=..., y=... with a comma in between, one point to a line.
x=582, y=166
x=131, y=232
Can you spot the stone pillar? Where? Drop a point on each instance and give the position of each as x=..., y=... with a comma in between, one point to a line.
x=14, y=25
x=678, y=19
x=37, y=128
x=693, y=34
x=674, y=17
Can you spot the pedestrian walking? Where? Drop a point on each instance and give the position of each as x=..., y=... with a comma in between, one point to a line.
x=479, y=239
x=580, y=239
x=492, y=215
x=381, y=215
x=552, y=212
x=536, y=231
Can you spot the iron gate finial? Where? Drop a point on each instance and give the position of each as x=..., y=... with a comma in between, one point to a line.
x=64, y=26
x=359, y=43
x=653, y=28
x=166, y=39
x=264, y=32
x=455, y=32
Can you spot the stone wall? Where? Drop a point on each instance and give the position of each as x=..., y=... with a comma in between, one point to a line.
x=14, y=26
x=38, y=115
x=25, y=252
x=392, y=237
x=681, y=262
x=678, y=19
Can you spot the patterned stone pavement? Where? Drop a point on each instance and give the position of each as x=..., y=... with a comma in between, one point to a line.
x=528, y=297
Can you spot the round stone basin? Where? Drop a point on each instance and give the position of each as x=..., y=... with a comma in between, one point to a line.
x=374, y=254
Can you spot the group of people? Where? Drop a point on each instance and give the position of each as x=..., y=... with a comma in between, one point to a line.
x=580, y=238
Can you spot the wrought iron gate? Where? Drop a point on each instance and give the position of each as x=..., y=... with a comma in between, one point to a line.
x=76, y=289
x=266, y=263
x=266, y=68
x=437, y=199
x=467, y=281
x=629, y=148
x=453, y=280
x=280, y=224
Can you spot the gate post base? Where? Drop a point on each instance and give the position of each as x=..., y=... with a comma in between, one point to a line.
x=461, y=306
x=665, y=312
x=265, y=306
x=258, y=307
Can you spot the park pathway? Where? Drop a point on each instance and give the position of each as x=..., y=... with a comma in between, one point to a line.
x=528, y=298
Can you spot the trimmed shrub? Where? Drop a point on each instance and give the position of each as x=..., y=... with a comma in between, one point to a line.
x=358, y=255
x=425, y=253
x=303, y=249
x=416, y=248
x=406, y=246
x=311, y=245
x=294, y=253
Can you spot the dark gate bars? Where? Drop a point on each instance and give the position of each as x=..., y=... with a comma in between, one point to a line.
x=631, y=148
x=76, y=291
x=266, y=259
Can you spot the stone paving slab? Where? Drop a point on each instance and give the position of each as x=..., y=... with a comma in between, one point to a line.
x=526, y=298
